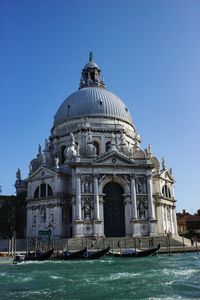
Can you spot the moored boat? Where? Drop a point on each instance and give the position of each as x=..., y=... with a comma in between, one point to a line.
x=71, y=255
x=127, y=253
x=96, y=254
x=39, y=256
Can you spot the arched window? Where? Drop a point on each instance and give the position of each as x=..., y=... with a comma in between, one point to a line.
x=36, y=194
x=96, y=144
x=62, y=153
x=166, y=191
x=43, y=190
x=107, y=146
x=50, y=191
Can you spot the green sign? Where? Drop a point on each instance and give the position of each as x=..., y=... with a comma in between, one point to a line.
x=43, y=232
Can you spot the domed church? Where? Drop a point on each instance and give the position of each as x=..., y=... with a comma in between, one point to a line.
x=93, y=179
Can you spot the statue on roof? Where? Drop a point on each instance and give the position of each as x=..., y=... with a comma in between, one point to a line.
x=163, y=164
x=39, y=149
x=18, y=175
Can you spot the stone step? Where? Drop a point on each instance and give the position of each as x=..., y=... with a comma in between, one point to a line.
x=118, y=242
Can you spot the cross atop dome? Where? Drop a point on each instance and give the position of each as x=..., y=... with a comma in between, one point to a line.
x=91, y=74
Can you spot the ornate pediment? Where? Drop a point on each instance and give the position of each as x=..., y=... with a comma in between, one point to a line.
x=166, y=175
x=41, y=173
x=113, y=157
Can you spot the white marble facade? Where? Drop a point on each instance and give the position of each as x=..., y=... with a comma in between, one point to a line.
x=93, y=178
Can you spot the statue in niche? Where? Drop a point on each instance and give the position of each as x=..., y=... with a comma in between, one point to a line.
x=43, y=214
x=51, y=218
x=142, y=211
x=141, y=186
x=87, y=209
x=86, y=184
x=34, y=221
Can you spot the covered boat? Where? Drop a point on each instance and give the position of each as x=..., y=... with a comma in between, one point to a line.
x=135, y=252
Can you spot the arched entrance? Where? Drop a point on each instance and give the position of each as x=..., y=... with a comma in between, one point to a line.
x=113, y=210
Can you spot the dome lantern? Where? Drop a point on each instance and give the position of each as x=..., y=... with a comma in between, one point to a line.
x=91, y=74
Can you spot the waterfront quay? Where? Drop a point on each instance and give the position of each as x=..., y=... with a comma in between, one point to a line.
x=168, y=244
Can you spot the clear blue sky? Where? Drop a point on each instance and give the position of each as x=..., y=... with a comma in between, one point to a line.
x=149, y=53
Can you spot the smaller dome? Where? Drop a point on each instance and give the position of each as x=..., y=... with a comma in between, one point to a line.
x=91, y=65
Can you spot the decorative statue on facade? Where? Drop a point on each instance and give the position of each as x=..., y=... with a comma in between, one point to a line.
x=163, y=164
x=148, y=151
x=141, y=185
x=39, y=150
x=56, y=160
x=43, y=214
x=30, y=168
x=123, y=145
x=87, y=206
x=91, y=149
x=142, y=210
x=113, y=146
x=71, y=152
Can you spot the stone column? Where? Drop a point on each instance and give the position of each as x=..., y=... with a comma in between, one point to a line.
x=151, y=209
x=160, y=221
x=174, y=220
x=78, y=224
x=78, y=198
x=59, y=221
x=29, y=222
x=135, y=221
x=133, y=199
x=96, y=197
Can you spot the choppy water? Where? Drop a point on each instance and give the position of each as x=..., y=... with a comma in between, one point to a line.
x=158, y=277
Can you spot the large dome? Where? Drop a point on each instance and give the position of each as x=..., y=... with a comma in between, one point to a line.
x=92, y=102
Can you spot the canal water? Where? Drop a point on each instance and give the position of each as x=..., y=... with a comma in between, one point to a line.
x=157, y=277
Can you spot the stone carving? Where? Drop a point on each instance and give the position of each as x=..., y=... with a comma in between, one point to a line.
x=70, y=153
x=141, y=185
x=86, y=184
x=43, y=214
x=34, y=221
x=163, y=164
x=91, y=149
x=87, y=206
x=51, y=218
x=47, y=145
x=30, y=168
x=123, y=145
x=18, y=175
x=39, y=149
x=113, y=146
x=56, y=161
x=142, y=208
x=148, y=151
x=137, y=142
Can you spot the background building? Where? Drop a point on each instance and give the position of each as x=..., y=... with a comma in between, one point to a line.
x=93, y=178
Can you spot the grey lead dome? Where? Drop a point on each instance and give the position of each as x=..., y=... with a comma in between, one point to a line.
x=94, y=102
